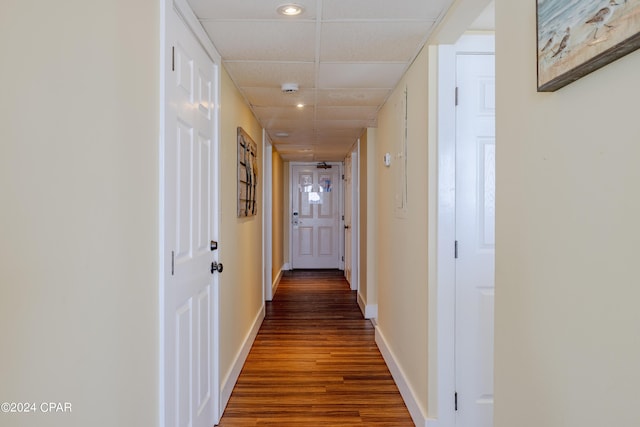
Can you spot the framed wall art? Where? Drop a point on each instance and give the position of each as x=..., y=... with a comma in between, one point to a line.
x=576, y=37
x=247, y=174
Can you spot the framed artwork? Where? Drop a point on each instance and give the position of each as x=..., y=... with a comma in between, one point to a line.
x=576, y=37
x=247, y=174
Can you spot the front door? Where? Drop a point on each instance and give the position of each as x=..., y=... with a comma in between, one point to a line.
x=190, y=188
x=475, y=236
x=315, y=220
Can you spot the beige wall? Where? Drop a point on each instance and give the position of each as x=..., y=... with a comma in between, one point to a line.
x=79, y=217
x=277, y=218
x=240, y=238
x=401, y=240
x=567, y=318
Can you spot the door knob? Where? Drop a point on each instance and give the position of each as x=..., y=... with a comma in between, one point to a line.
x=346, y=227
x=215, y=266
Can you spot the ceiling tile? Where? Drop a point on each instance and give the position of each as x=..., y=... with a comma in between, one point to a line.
x=347, y=113
x=343, y=124
x=270, y=96
x=354, y=42
x=382, y=9
x=293, y=124
x=248, y=9
x=285, y=113
x=360, y=76
x=345, y=64
x=263, y=41
x=352, y=97
x=271, y=74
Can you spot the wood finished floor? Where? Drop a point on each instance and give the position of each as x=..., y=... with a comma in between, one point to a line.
x=315, y=362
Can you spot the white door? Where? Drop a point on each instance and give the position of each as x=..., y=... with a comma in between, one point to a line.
x=475, y=236
x=190, y=188
x=315, y=199
x=348, y=202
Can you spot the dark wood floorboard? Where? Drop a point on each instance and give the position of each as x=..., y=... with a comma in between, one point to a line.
x=315, y=362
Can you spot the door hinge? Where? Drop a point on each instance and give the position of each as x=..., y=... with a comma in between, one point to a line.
x=456, y=400
x=173, y=58
x=455, y=250
x=456, y=96
x=342, y=257
x=342, y=176
x=172, y=262
x=343, y=217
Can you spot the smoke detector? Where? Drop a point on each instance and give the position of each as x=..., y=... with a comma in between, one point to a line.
x=289, y=87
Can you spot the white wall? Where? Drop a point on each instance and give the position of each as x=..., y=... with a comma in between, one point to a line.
x=78, y=216
x=567, y=285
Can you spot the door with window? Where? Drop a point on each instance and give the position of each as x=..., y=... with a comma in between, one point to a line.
x=315, y=219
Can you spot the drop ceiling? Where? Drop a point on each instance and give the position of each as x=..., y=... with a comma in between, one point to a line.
x=345, y=55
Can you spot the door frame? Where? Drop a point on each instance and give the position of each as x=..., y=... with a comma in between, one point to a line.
x=444, y=310
x=354, y=153
x=340, y=211
x=267, y=217
x=171, y=12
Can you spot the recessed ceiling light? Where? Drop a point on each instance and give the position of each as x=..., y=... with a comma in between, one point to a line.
x=290, y=9
x=300, y=105
x=282, y=134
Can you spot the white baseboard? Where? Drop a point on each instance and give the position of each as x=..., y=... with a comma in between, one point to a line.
x=409, y=397
x=368, y=311
x=286, y=266
x=371, y=311
x=230, y=381
x=274, y=285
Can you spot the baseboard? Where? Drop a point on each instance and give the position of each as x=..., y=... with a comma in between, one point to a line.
x=368, y=311
x=409, y=397
x=286, y=266
x=276, y=282
x=362, y=305
x=371, y=311
x=231, y=379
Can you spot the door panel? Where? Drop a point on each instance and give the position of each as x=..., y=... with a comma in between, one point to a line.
x=475, y=233
x=315, y=217
x=189, y=218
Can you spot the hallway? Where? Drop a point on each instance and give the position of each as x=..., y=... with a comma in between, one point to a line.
x=315, y=362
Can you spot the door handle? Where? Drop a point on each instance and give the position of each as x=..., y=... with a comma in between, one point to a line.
x=215, y=266
x=346, y=227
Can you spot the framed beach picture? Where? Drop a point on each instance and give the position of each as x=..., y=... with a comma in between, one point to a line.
x=576, y=37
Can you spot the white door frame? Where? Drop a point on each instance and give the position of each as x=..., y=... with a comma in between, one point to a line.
x=167, y=15
x=267, y=215
x=446, y=231
x=355, y=216
x=340, y=165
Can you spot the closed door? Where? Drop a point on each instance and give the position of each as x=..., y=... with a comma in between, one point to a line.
x=315, y=218
x=189, y=225
x=475, y=236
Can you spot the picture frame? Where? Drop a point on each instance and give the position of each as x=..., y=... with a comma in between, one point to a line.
x=247, y=174
x=577, y=37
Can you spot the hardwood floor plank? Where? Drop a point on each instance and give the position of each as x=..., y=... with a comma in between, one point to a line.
x=315, y=362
